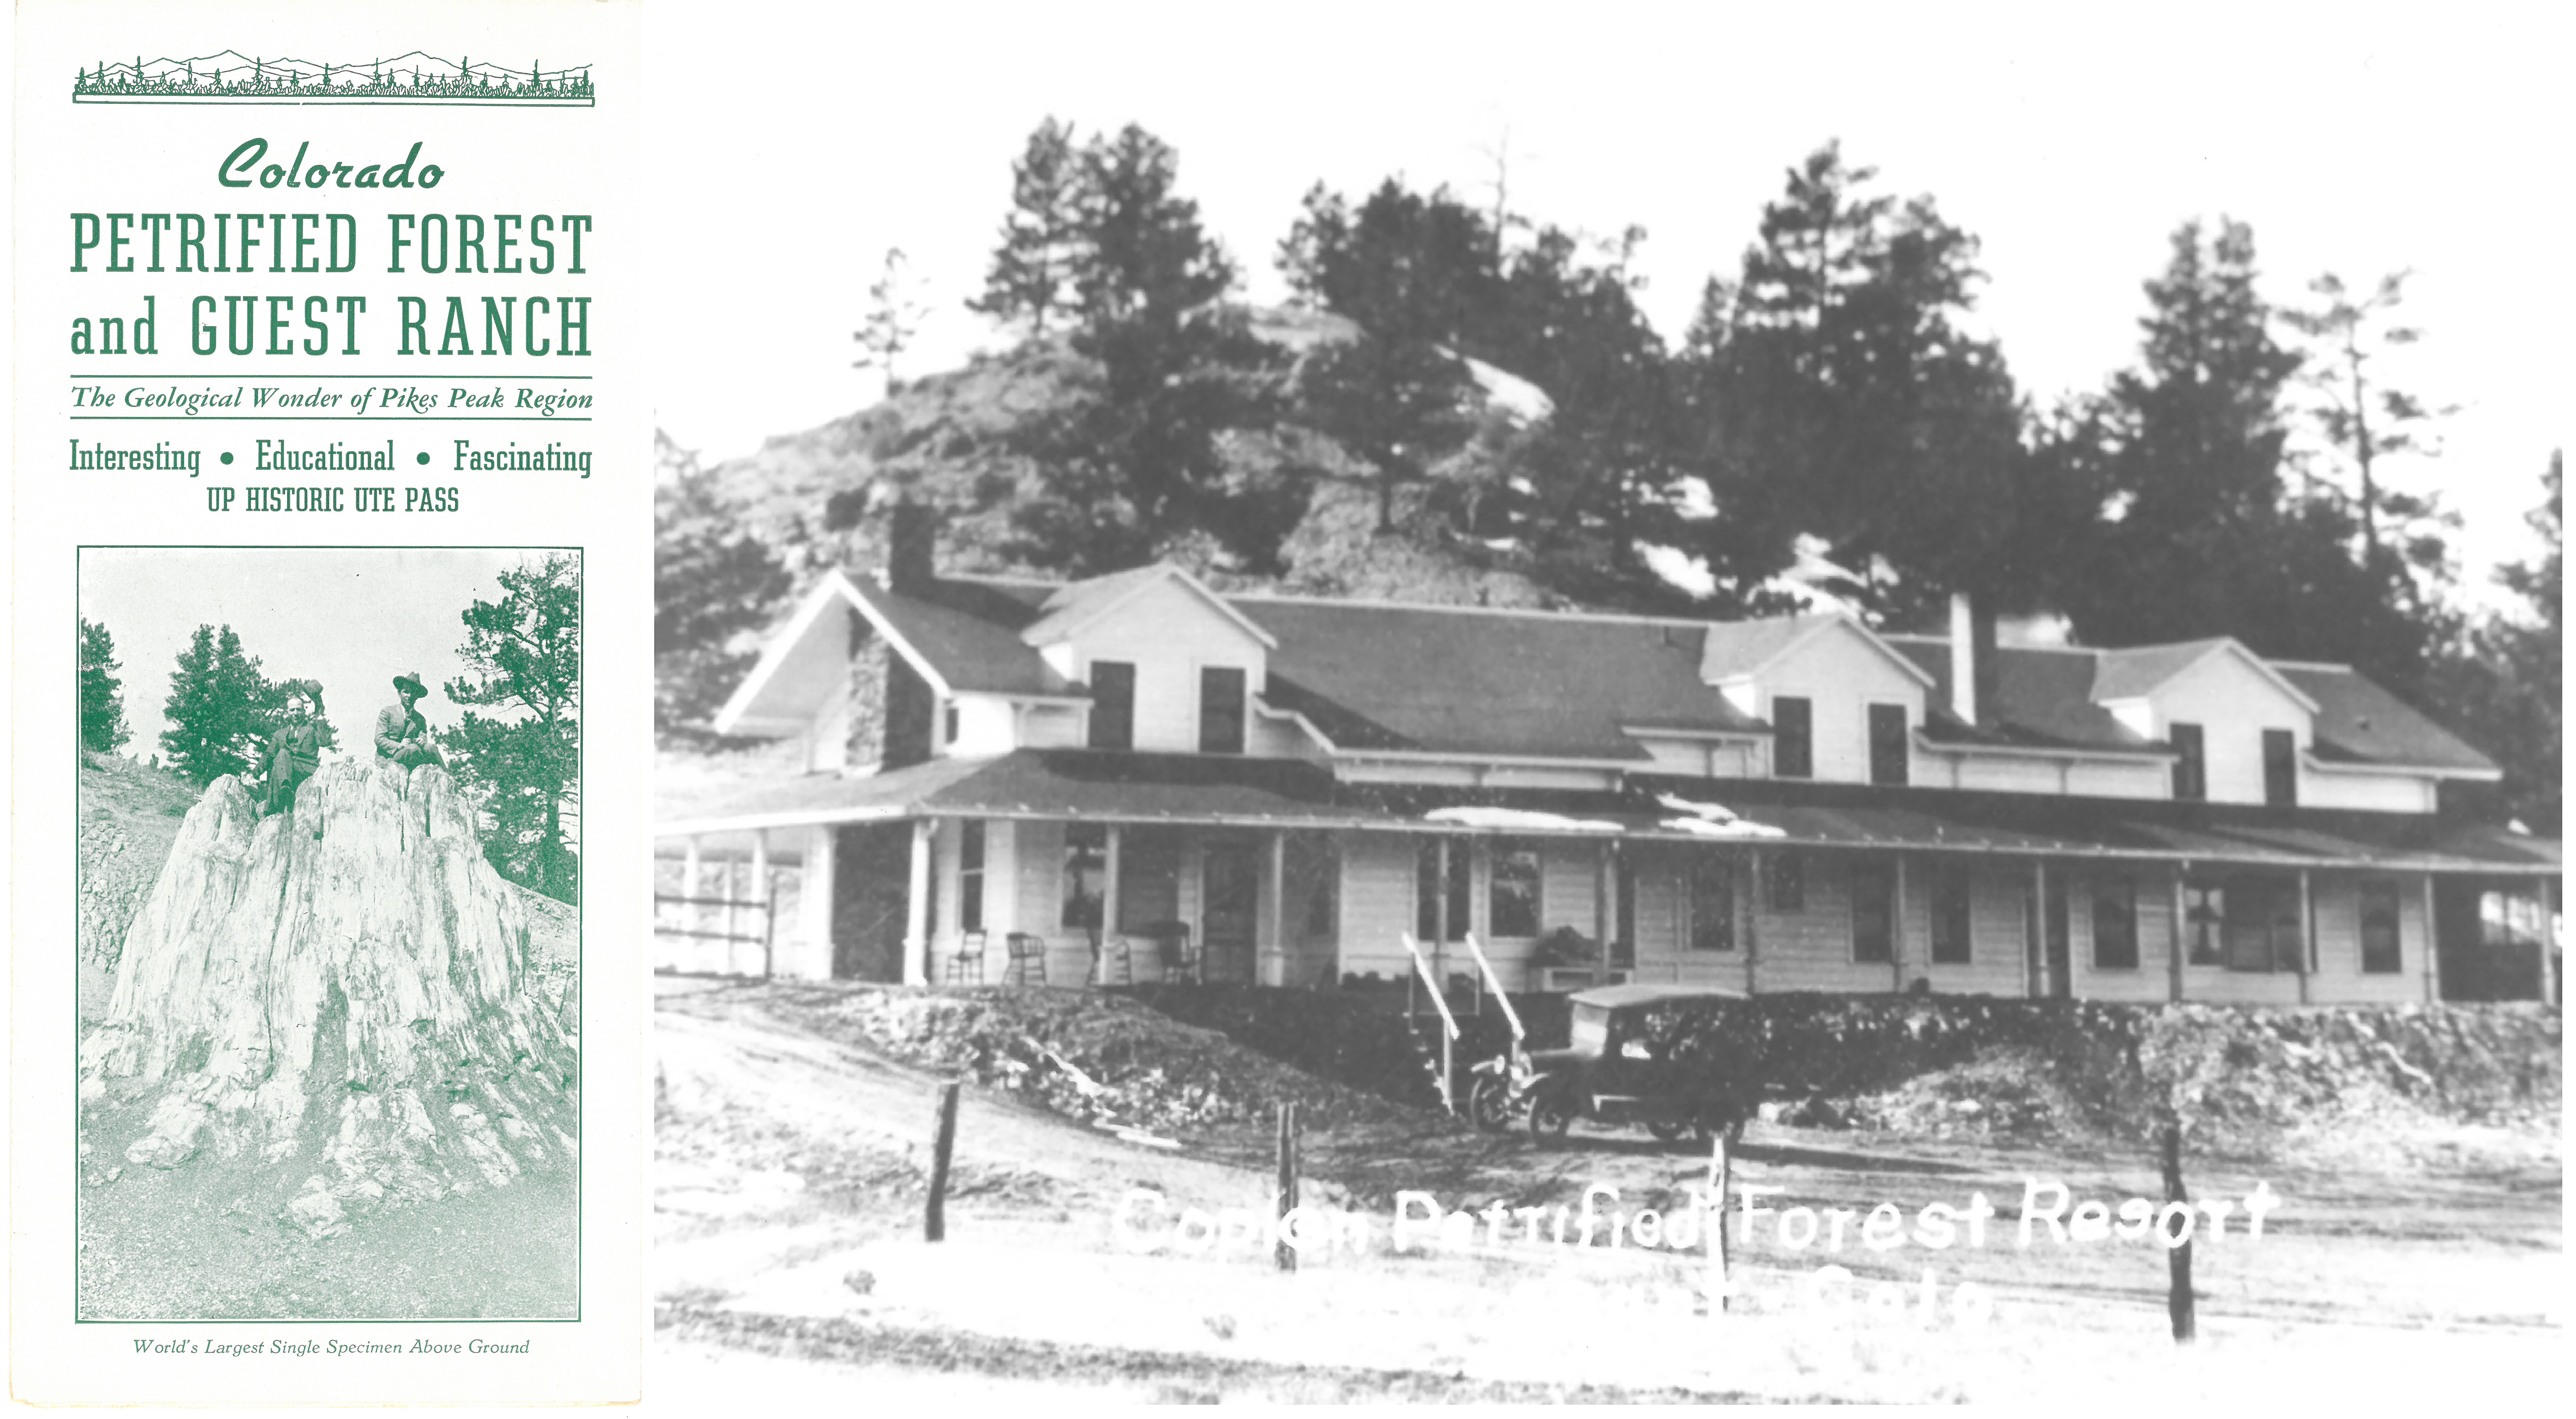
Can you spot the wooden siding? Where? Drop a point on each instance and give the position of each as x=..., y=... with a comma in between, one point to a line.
x=1377, y=902
x=2152, y=980
x=1842, y=674
x=2233, y=703
x=1168, y=632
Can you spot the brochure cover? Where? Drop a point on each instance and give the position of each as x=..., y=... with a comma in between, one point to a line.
x=329, y=553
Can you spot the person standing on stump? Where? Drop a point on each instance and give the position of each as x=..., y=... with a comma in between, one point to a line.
x=295, y=750
x=402, y=735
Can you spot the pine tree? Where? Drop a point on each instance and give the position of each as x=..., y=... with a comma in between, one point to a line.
x=2365, y=419
x=895, y=313
x=219, y=708
x=102, y=701
x=1143, y=253
x=1135, y=466
x=2504, y=684
x=712, y=582
x=522, y=654
x=1031, y=275
x=1837, y=393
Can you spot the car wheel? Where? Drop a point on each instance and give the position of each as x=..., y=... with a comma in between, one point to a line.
x=1666, y=1130
x=1551, y=1114
x=1489, y=1105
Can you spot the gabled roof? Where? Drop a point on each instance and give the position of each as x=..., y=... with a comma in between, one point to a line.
x=2040, y=699
x=1469, y=681
x=1078, y=604
x=2138, y=671
x=1734, y=650
x=968, y=632
x=2358, y=722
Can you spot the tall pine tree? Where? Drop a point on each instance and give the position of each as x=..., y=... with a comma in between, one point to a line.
x=1030, y=279
x=220, y=708
x=1837, y=392
x=102, y=701
x=522, y=656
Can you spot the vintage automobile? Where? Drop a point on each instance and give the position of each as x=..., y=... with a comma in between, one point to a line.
x=1619, y=1066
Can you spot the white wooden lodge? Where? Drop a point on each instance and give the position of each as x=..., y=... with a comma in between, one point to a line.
x=1786, y=804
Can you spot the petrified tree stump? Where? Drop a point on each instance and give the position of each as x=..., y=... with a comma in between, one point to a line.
x=341, y=993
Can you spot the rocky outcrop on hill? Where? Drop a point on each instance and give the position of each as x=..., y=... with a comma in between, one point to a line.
x=338, y=1005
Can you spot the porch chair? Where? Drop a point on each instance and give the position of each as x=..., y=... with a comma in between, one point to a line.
x=1024, y=952
x=969, y=957
x=1176, y=950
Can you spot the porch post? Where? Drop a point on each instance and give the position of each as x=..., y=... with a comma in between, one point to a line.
x=1109, y=902
x=2035, y=940
x=1277, y=972
x=2181, y=932
x=2548, y=939
x=692, y=916
x=2432, y=946
x=811, y=956
x=767, y=899
x=1896, y=926
x=1440, y=916
x=1752, y=931
x=2307, y=934
x=916, y=906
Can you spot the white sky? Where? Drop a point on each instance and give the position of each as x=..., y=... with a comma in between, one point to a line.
x=795, y=143
x=350, y=618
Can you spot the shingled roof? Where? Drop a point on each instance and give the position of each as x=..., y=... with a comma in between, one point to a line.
x=1374, y=675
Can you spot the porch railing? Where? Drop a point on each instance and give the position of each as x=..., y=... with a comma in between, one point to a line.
x=733, y=935
x=1448, y=1022
x=1494, y=983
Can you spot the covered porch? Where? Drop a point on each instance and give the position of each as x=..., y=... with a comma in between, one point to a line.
x=1075, y=867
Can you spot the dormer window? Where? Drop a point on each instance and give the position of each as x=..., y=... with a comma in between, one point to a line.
x=2191, y=764
x=1221, y=694
x=1113, y=704
x=2280, y=768
x=1793, y=737
x=1887, y=745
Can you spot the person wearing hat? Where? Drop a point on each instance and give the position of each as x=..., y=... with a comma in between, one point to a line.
x=402, y=735
x=295, y=750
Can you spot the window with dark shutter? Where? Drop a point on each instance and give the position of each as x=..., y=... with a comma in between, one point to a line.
x=2380, y=953
x=1512, y=890
x=1086, y=875
x=1950, y=917
x=1873, y=912
x=1793, y=737
x=1787, y=888
x=1221, y=689
x=970, y=874
x=1712, y=903
x=2115, y=924
x=1887, y=747
x=1113, y=705
x=2191, y=766
x=2280, y=768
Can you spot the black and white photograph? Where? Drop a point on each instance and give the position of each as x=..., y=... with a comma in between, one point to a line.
x=329, y=933
x=1642, y=704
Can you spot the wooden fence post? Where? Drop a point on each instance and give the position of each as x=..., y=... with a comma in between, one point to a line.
x=1287, y=1255
x=2178, y=1296
x=1721, y=1165
x=934, y=1222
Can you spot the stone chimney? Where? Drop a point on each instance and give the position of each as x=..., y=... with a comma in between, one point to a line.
x=1963, y=657
x=912, y=544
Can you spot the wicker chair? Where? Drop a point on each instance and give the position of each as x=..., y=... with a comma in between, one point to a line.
x=969, y=958
x=1025, y=953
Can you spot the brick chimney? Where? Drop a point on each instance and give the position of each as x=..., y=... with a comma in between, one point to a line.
x=1963, y=657
x=912, y=545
